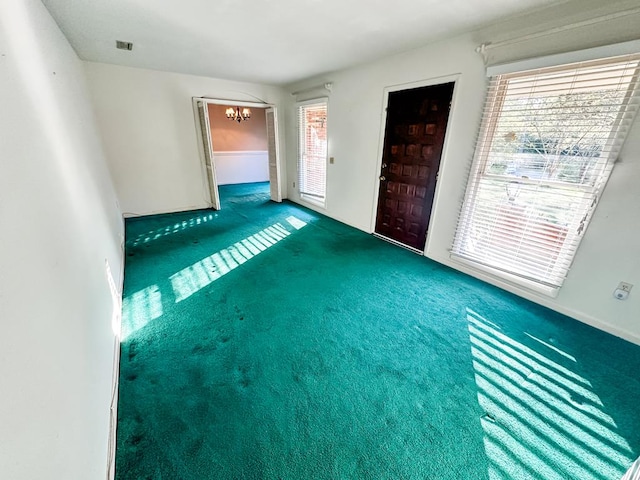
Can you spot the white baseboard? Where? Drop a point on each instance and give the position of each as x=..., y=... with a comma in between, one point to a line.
x=545, y=301
x=115, y=377
x=161, y=212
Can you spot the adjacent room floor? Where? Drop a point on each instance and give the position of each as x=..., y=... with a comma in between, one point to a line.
x=265, y=341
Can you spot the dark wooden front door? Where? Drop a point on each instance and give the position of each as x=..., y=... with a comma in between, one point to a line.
x=414, y=136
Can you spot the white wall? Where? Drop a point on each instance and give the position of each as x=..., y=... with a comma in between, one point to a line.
x=147, y=122
x=610, y=251
x=59, y=222
x=241, y=167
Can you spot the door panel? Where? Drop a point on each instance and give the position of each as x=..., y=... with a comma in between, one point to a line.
x=207, y=145
x=414, y=137
x=272, y=146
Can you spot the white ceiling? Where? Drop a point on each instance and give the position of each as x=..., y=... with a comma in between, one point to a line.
x=267, y=41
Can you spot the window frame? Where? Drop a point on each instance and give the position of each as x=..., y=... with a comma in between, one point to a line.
x=495, y=105
x=318, y=201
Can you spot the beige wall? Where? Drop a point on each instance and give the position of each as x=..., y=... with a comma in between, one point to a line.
x=228, y=136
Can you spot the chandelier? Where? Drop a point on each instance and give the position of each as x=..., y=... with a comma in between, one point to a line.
x=237, y=115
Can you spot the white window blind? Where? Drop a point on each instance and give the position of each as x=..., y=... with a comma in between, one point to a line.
x=312, y=150
x=547, y=144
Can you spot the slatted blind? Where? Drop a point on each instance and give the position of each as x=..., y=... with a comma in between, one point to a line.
x=634, y=471
x=548, y=141
x=312, y=150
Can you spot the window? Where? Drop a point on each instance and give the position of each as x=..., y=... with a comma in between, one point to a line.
x=312, y=150
x=548, y=141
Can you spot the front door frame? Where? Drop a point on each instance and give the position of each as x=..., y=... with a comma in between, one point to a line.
x=210, y=175
x=383, y=122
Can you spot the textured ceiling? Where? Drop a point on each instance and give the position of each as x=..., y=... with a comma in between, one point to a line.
x=267, y=41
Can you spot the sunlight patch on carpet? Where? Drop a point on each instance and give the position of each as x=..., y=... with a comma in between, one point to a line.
x=295, y=222
x=548, y=345
x=140, y=308
x=542, y=419
x=206, y=271
x=172, y=229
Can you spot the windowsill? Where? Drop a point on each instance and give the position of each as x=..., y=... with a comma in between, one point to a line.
x=507, y=278
x=313, y=201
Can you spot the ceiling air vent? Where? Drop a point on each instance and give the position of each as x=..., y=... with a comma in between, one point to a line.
x=124, y=45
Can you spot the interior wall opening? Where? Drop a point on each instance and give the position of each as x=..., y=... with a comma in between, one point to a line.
x=240, y=146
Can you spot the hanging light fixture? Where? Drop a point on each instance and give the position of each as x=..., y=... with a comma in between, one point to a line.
x=237, y=115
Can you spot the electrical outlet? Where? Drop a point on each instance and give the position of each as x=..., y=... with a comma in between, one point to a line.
x=622, y=292
x=625, y=287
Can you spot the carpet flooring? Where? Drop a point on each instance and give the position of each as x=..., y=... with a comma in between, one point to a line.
x=265, y=341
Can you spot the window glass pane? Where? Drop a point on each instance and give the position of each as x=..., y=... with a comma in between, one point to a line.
x=312, y=157
x=557, y=137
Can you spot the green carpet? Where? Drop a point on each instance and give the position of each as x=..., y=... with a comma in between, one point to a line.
x=265, y=341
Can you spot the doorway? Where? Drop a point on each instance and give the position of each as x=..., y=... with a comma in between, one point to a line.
x=238, y=152
x=413, y=141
